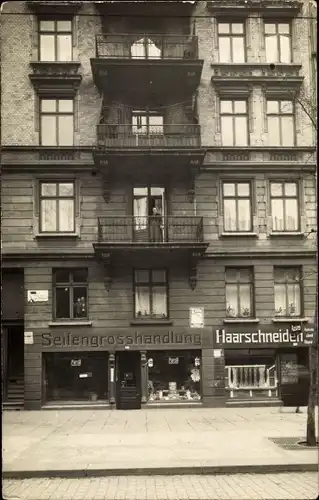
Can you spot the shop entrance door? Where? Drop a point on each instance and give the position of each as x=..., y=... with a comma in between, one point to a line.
x=128, y=381
x=13, y=363
x=294, y=377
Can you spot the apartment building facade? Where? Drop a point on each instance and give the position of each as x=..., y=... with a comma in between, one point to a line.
x=158, y=203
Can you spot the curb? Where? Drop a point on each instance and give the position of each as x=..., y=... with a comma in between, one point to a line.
x=162, y=471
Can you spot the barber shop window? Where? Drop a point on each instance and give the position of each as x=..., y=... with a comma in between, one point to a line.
x=150, y=294
x=70, y=294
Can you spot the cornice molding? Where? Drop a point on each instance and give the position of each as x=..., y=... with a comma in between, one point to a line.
x=241, y=77
x=242, y=8
x=55, y=77
x=54, y=7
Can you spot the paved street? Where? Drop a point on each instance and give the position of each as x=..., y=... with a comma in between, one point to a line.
x=114, y=441
x=239, y=486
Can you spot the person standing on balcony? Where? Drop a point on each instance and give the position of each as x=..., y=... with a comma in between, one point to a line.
x=156, y=235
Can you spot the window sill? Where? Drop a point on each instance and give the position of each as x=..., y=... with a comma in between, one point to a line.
x=151, y=322
x=290, y=320
x=249, y=234
x=241, y=320
x=286, y=233
x=70, y=323
x=56, y=235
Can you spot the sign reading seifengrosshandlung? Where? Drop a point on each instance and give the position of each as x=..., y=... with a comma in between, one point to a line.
x=305, y=337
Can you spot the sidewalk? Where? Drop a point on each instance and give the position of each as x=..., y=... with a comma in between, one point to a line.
x=78, y=443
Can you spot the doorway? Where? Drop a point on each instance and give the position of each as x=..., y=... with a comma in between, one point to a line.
x=149, y=211
x=13, y=363
x=128, y=381
x=294, y=376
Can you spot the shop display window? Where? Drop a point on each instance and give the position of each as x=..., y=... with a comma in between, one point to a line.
x=76, y=376
x=174, y=376
x=250, y=368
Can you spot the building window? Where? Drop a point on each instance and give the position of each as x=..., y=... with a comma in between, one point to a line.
x=234, y=123
x=287, y=291
x=57, y=207
x=278, y=42
x=70, y=290
x=56, y=122
x=239, y=293
x=237, y=206
x=145, y=48
x=147, y=123
x=284, y=206
x=55, y=40
x=64, y=376
x=231, y=42
x=174, y=376
x=280, y=123
x=150, y=293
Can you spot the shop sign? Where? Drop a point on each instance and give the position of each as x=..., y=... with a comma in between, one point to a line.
x=173, y=361
x=292, y=336
x=136, y=339
x=76, y=362
x=38, y=296
x=28, y=338
x=196, y=317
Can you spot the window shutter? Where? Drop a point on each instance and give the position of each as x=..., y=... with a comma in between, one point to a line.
x=217, y=113
x=36, y=197
x=35, y=36
x=262, y=35
x=295, y=57
x=77, y=190
x=250, y=112
x=36, y=207
x=76, y=113
x=36, y=112
x=248, y=30
x=301, y=203
x=75, y=24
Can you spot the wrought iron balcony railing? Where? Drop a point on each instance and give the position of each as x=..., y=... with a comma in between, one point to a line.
x=152, y=229
x=141, y=46
x=130, y=136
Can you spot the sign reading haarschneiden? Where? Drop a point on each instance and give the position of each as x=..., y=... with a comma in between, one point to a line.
x=292, y=336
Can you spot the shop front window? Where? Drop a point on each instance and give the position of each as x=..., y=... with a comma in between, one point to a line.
x=76, y=376
x=174, y=376
x=250, y=371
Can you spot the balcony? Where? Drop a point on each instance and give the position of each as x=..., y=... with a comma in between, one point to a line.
x=145, y=231
x=159, y=152
x=168, y=240
x=165, y=66
x=122, y=136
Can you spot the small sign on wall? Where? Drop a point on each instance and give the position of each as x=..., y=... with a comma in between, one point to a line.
x=76, y=362
x=173, y=361
x=218, y=353
x=28, y=337
x=196, y=317
x=38, y=296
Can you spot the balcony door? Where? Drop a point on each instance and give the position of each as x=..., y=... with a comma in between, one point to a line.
x=148, y=128
x=149, y=209
x=145, y=48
